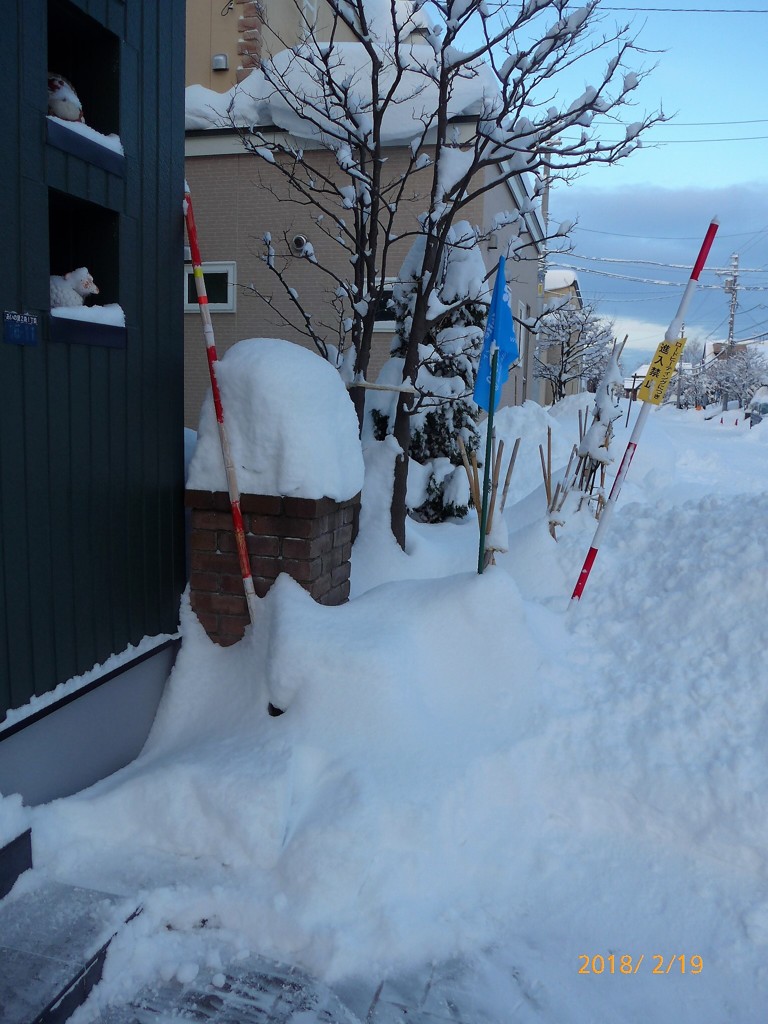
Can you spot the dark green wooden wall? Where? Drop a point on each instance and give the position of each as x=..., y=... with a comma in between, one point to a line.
x=91, y=439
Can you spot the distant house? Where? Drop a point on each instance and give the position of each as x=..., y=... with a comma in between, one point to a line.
x=721, y=349
x=632, y=384
x=237, y=198
x=561, y=289
x=91, y=440
x=561, y=286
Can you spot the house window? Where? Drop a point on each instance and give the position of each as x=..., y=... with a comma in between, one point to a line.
x=220, y=280
x=385, y=311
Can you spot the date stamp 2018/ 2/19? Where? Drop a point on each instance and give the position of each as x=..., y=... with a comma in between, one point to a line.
x=627, y=963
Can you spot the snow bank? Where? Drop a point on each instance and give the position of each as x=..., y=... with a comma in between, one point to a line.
x=292, y=427
x=472, y=772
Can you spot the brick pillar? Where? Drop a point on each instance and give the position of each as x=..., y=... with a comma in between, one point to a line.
x=310, y=539
x=250, y=22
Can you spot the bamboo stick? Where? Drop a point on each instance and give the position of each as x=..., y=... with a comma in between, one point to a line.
x=508, y=477
x=470, y=478
x=494, y=485
x=405, y=389
x=476, y=482
x=547, y=482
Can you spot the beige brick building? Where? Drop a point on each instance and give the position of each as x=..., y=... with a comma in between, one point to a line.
x=238, y=197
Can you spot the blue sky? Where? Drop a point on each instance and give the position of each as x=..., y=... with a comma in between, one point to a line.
x=710, y=78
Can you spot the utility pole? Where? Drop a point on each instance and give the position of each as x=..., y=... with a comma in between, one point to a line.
x=731, y=287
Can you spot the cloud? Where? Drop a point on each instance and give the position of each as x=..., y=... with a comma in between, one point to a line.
x=657, y=233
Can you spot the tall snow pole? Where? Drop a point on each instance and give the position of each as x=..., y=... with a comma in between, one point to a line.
x=671, y=336
x=210, y=348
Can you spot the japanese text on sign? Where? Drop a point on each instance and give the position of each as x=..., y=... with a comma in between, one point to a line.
x=660, y=371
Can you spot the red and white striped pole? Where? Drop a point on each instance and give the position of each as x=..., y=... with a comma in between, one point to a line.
x=229, y=466
x=672, y=334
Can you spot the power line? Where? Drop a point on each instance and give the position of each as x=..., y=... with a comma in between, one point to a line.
x=661, y=238
x=688, y=10
x=655, y=281
x=657, y=263
x=679, y=142
x=672, y=123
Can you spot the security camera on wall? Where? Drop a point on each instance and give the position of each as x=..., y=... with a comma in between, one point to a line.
x=299, y=244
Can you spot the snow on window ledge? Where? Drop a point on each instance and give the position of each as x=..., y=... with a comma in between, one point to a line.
x=89, y=325
x=81, y=140
x=111, y=314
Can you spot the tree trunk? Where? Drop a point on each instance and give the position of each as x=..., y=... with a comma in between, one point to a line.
x=402, y=425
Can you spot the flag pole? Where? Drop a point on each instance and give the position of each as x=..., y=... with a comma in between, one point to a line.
x=488, y=460
x=671, y=335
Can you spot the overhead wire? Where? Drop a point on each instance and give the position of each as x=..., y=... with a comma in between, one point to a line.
x=688, y=10
x=657, y=263
x=659, y=238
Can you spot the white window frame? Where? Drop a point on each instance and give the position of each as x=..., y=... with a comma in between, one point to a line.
x=387, y=325
x=228, y=267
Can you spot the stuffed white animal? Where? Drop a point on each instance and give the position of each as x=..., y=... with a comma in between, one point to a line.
x=71, y=289
x=63, y=101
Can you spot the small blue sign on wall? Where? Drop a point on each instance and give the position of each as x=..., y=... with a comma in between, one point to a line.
x=20, y=328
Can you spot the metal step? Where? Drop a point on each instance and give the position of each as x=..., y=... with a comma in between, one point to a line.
x=255, y=991
x=53, y=941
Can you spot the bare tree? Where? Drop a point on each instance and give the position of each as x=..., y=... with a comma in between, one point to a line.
x=736, y=375
x=573, y=346
x=469, y=90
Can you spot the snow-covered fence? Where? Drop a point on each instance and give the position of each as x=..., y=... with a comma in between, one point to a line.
x=308, y=538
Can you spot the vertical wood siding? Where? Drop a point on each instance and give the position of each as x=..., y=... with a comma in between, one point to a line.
x=91, y=441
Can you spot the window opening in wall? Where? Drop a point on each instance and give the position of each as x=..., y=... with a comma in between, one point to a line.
x=220, y=281
x=87, y=55
x=82, y=234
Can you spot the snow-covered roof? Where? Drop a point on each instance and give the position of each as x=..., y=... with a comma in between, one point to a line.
x=408, y=17
x=256, y=102
x=637, y=376
x=559, y=278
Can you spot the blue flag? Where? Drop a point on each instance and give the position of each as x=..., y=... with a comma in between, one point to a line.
x=499, y=334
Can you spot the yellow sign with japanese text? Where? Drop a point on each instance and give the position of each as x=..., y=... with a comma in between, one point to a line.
x=660, y=371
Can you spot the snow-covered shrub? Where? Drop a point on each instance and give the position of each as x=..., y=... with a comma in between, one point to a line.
x=448, y=358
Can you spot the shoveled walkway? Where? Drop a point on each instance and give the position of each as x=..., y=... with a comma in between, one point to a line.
x=262, y=992
x=54, y=940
